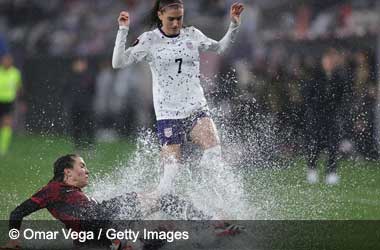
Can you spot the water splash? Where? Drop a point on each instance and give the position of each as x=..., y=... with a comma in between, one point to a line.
x=138, y=174
x=221, y=192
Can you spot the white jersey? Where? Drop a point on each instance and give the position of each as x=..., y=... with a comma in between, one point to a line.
x=174, y=63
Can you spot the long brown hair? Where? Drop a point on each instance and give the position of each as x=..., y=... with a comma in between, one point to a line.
x=160, y=5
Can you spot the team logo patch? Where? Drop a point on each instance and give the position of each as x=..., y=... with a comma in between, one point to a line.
x=135, y=43
x=168, y=132
x=189, y=45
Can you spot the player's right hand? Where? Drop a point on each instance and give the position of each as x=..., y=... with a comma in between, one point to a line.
x=123, y=18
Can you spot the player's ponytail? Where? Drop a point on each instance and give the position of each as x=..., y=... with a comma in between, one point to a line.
x=160, y=5
x=154, y=21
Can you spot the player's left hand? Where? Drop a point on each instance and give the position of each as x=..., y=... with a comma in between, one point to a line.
x=236, y=10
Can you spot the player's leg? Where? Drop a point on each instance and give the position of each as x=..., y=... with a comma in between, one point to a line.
x=313, y=145
x=171, y=136
x=181, y=209
x=214, y=178
x=170, y=155
x=5, y=128
x=332, y=176
x=313, y=150
x=332, y=146
x=127, y=204
x=204, y=134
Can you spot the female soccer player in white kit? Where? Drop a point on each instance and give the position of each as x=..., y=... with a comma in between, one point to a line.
x=172, y=52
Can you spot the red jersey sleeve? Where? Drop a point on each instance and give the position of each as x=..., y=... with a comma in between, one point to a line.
x=45, y=194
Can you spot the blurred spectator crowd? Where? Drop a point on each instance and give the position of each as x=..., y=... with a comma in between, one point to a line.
x=268, y=70
x=86, y=27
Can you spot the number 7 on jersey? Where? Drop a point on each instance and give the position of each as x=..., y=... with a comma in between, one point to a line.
x=180, y=64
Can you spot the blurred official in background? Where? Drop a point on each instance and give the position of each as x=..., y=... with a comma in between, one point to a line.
x=80, y=89
x=10, y=84
x=324, y=95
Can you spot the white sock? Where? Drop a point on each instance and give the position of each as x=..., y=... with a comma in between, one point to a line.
x=168, y=179
x=212, y=168
x=212, y=158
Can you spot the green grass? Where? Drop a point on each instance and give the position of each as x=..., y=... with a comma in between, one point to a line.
x=276, y=194
x=285, y=194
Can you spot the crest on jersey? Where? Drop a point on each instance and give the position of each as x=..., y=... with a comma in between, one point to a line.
x=189, y=45
x=168, y=132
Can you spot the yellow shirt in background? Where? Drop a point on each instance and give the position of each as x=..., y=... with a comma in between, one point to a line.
x=10, y=83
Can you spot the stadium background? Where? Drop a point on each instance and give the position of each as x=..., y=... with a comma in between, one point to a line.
x=257, y=84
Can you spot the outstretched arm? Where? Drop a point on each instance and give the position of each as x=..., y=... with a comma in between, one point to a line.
x=121, y=39
x=235, y=12
x=16, y=217
x=23, y=210
x=211, y=45
x=123, y=57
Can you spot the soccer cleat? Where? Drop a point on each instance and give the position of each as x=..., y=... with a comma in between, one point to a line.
x=312, y=176
x=227, y=229
x=332, y=179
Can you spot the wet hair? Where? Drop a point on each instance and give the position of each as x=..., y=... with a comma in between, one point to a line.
x=160, y=5
x=63, y=162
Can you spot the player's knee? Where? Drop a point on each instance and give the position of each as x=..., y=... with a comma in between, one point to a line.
x=215, y=143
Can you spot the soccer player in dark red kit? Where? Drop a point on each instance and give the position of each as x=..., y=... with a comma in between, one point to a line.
x=65, y=200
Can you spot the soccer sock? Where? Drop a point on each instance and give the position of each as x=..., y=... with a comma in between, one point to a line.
x=332, y=161
x=213, y=175
x=5, y=139
x=312, y=159
x=211, y=158
x=167, y=181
